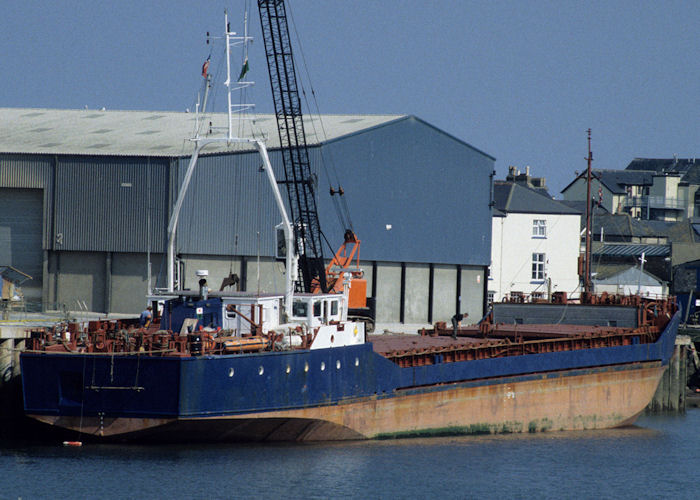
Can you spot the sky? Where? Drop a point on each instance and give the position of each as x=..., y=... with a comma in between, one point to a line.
x=519, y=80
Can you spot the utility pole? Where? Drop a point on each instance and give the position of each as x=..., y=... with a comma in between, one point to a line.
x=587, y=256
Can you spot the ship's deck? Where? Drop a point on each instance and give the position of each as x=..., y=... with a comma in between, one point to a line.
x=404, y=342
x=472, y=336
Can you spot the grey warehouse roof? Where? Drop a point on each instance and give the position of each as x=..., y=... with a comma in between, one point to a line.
x=151, y=133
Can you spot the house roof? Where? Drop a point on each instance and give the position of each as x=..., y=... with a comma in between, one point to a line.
x=623, y=224
x=684, y=232
x=688, y=168
x=624, y=275
x=580, y=207
x=633, y=250
x=616, y=181
x=516, y=198
x=640, y=172
x=604, y=271
x=153, y=133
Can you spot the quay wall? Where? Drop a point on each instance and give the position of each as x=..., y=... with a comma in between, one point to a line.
x=670, y=396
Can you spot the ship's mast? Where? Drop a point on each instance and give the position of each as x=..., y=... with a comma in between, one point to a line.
x=587, y=256
x=228, y=137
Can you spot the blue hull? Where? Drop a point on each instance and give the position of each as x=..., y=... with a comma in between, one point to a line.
x=158, y=390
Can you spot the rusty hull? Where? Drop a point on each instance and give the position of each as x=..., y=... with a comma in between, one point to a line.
x=594, y=398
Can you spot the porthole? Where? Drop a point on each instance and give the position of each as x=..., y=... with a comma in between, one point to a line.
x=332, y=338
x=337, y=365
x=306, y=367
x=357, y=361
x=323, y=365
x=261, y=370
x=230, y=372
x=289, y=369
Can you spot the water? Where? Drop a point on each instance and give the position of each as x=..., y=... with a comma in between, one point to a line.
x=659, y=457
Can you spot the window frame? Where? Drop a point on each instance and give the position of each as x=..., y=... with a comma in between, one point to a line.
x=539, y=270
x=539, y=228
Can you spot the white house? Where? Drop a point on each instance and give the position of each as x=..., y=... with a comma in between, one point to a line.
x=535, y=244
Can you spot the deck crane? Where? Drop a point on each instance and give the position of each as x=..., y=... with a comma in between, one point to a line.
x=299, y=180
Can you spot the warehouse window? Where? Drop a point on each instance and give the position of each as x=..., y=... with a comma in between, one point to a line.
x=538, y=260
x=539, y=228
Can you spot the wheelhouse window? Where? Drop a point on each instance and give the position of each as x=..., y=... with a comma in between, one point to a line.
x=538, y=260
x=539, y=228
x=300, y=309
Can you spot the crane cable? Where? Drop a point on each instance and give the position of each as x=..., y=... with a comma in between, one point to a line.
x=343, y=212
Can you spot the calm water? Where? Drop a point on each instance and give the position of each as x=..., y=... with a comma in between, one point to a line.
x=660, y=457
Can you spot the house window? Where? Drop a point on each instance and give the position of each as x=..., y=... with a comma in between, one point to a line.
x=490, y=296
x=539, y=228
x=538, y=266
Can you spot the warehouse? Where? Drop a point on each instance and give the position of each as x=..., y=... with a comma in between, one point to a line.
x=85, y=198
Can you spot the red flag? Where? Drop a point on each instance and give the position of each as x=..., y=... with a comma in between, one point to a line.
x=205, y=67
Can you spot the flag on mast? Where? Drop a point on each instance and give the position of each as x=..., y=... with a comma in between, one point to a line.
x=205, y=67
x=244, y=69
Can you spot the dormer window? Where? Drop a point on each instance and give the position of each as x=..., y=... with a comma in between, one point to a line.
x=539, y=228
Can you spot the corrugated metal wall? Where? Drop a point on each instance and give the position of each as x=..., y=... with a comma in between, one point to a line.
x=20, y=236
x=415, y=194
x=33, y=172
x=229, y=208
x=432, y=189
x=103, y=204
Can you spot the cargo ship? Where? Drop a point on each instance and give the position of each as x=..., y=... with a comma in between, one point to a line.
x=290, y=366
x=325, y=379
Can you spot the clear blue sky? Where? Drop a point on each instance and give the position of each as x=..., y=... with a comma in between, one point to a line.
x=520, y=80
